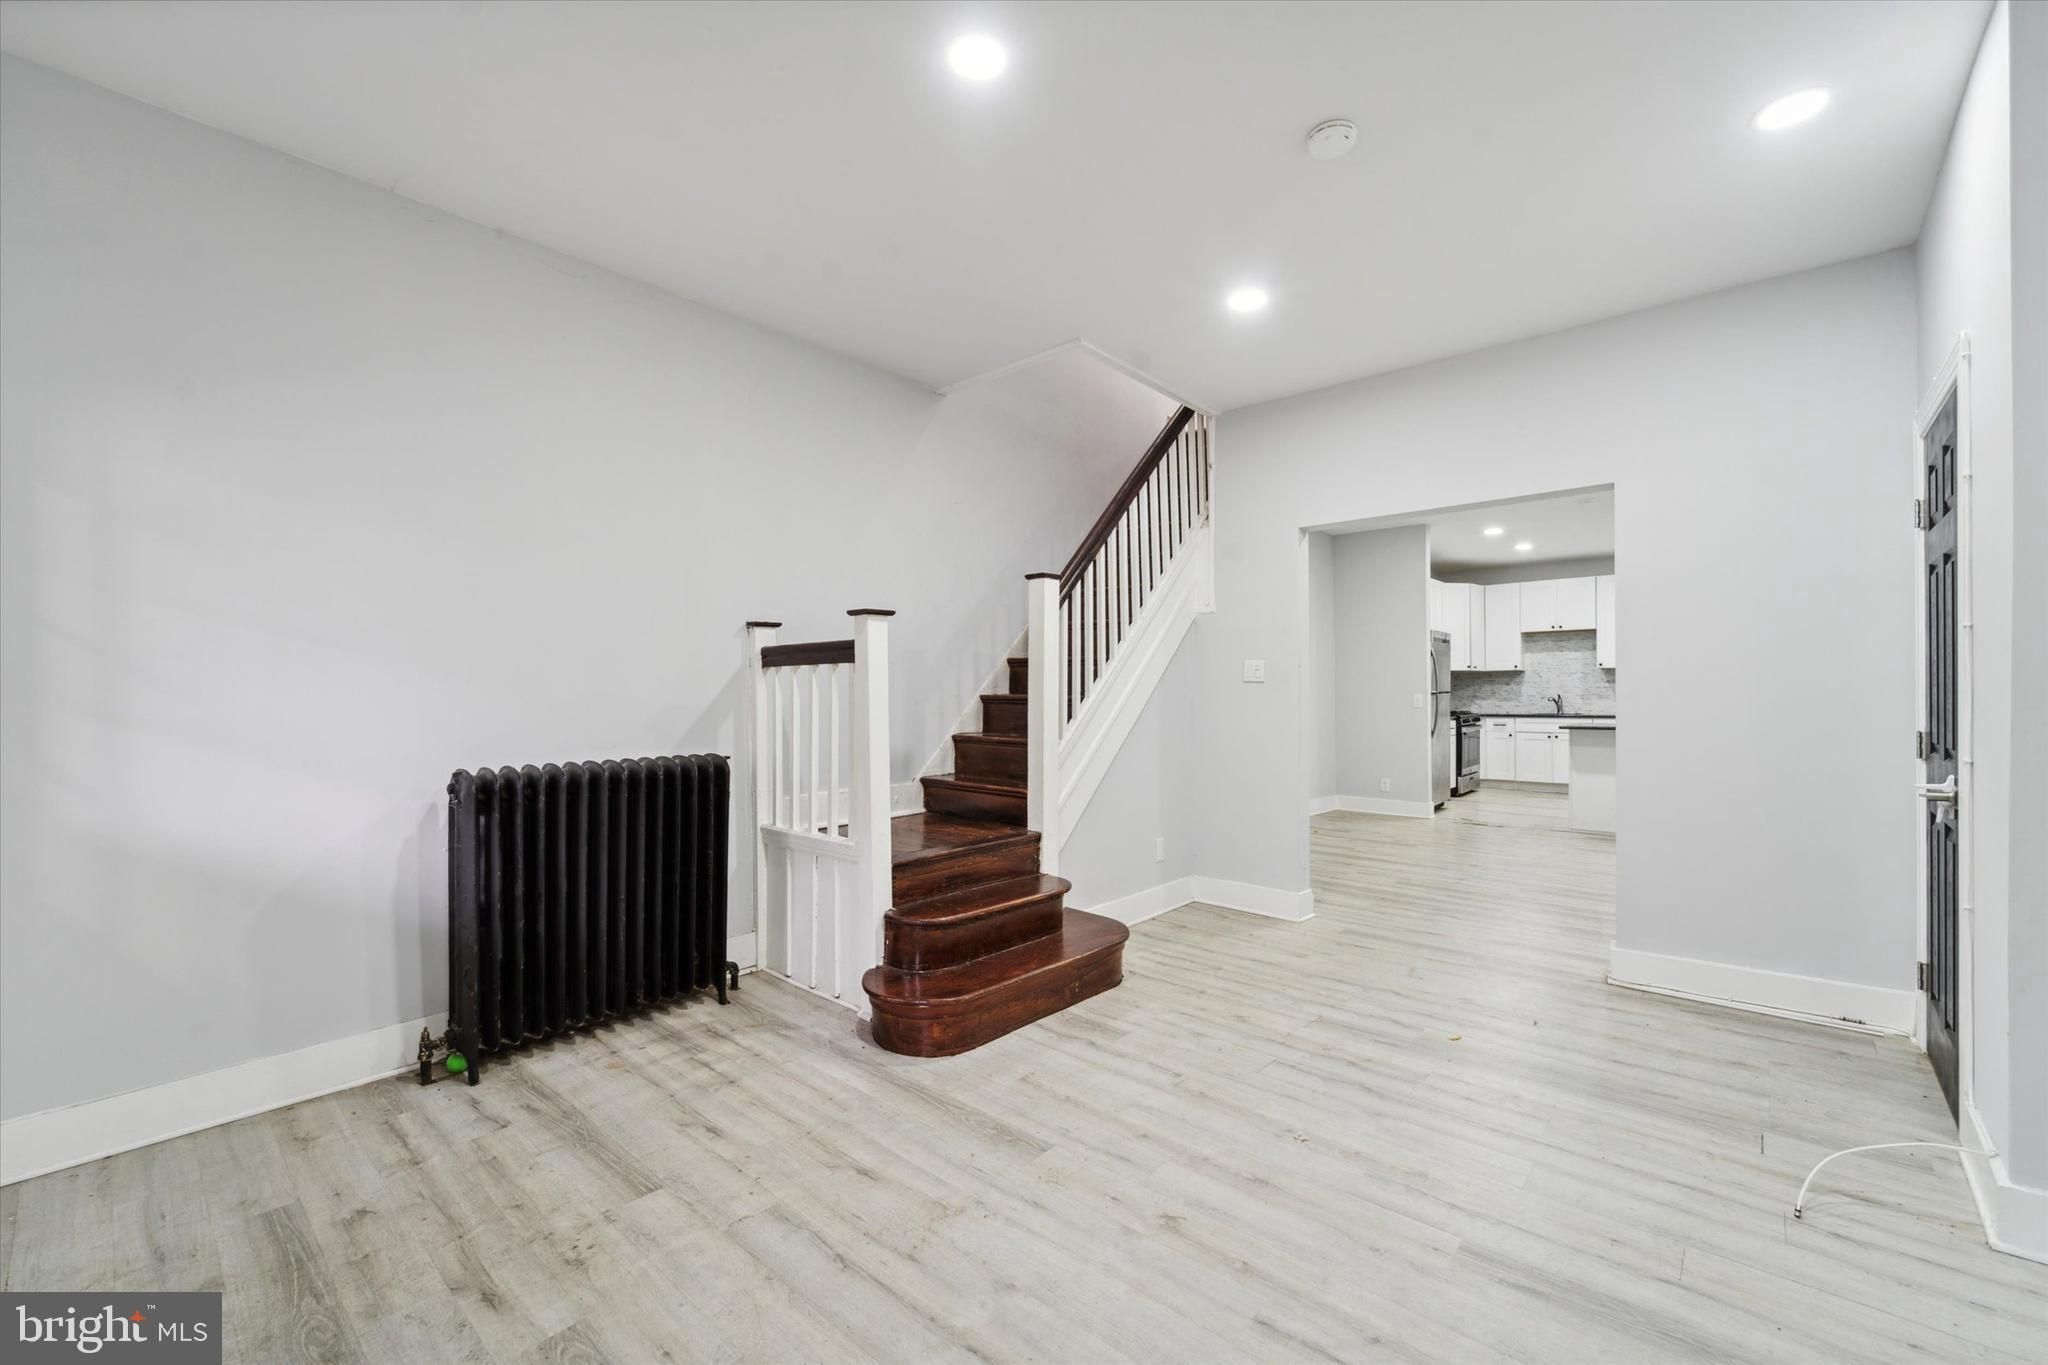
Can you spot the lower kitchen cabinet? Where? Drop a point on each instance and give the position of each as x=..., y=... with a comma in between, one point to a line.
x=1497, y=751
x=1525, y=751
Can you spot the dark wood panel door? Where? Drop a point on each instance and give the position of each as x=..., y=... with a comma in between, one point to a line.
x=1942, y=814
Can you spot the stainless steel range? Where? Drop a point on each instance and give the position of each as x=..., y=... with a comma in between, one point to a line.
x=1465, y=775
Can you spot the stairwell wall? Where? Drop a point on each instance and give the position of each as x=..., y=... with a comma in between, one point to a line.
x=312, y=494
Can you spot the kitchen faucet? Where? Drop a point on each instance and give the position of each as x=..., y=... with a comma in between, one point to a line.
x=1557, y=701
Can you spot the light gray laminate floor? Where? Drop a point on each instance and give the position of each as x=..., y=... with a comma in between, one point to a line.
x=1418, y=1127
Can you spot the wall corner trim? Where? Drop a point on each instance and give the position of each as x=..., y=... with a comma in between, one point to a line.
x=2015, y=1217
x=1811, y=999
x=1268, y=901
x=36, y=1144
x=1371, y=805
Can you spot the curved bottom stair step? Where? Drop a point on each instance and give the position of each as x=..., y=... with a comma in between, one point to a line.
x=953, y=1009
x=971, y=922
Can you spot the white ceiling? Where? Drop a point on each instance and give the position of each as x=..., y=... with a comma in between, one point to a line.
x=1574, y=526
x=816, y=167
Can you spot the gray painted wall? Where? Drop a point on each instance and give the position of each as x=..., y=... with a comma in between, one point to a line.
x=1381, y=608
x=1665, y=405
x=312, y=495
x=1966, y=274
x=1552, y=665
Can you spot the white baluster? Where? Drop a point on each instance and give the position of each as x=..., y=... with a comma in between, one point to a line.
x=811, y=821
x=832, y=786
x=1043, y=712
x=869, y=820
x=761, y=781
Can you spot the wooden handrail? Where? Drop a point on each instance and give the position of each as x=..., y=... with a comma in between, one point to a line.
x=1098, y=534
x=813, y=652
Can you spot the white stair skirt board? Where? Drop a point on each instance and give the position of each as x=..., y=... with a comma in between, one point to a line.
x=1372, y=805
x=2015, y=1217
x=1839, y=1004
x=36, y=1144
x=1097, y=735
x=1267, y=901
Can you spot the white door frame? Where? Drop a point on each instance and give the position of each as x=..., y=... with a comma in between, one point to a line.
x=1953, y=376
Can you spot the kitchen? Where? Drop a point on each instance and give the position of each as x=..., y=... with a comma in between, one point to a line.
x=1531, y=687
x=1514, y=607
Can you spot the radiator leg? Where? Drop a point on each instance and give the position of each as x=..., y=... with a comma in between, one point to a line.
x=426, y=1056
x=731, y=975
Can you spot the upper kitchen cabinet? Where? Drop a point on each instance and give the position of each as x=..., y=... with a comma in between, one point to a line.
x=1603, y=620
x=1558, y=604
x=1459, y=611
x=1502, y=604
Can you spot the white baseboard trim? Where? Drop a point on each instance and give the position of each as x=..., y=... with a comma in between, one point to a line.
x=36, y=1144
x=1816, y=1000
x=2015, y=1217
x=1271, y=902
x=1372, y=805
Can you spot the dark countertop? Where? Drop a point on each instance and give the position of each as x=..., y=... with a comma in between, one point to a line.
x=1535, y=715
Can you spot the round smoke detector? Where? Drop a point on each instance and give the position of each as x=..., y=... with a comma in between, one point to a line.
x=1332, y=138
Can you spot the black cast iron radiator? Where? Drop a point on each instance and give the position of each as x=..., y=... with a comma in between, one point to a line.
x=580, y=892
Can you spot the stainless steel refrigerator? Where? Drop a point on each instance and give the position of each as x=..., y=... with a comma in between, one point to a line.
x=1443, y=732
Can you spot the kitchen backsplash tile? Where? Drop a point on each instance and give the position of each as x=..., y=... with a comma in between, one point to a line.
x=1551, y=664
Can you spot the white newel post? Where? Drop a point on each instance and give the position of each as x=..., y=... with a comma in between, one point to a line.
x=868, y=754
x=760, y=635
x=1042, y=712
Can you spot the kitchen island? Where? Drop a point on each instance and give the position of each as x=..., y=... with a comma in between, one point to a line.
x=1592, y=774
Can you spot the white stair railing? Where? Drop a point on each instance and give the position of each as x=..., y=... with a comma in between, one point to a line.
x=1104, y=628
x=821, y=846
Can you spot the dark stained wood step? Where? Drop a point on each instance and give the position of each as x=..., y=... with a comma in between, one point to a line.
x=934, y=852
x=1003, y=713
x=939, y=1013
x=952, y=794
x=972, y=921
x=1020, y=676
x=991, y=758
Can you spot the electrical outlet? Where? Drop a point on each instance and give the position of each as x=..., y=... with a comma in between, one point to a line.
x=1386, y=784
x=1420, y=699
x=1159, y=850
x=1255, y=670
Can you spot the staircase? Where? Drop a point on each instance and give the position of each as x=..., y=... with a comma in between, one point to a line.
x=979, y=941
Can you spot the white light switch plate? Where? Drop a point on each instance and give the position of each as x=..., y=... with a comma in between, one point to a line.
x=1419, y=700
x=1255, y=670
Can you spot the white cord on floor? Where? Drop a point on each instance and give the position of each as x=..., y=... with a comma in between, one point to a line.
x=1799, y=1204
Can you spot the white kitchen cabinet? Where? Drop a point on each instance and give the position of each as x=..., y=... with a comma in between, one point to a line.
x=1461, y=614
x=1603, y=620
x=1575, y=604
x=1436, y=605
x=1501, y=604
x=1542, y=752
x=1551, y=604
x=1497, y=751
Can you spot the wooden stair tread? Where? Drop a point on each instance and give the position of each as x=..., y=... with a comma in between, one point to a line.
x=980, y=784
x=929, y=834
x=982, y=899
x=970, y=985
x=991, y=737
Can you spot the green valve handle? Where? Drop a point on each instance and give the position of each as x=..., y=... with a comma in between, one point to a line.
x=457, y=1063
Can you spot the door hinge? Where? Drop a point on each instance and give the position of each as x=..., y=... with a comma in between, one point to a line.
x=1923, y=747
x=1920, y=976
x=1919, y=514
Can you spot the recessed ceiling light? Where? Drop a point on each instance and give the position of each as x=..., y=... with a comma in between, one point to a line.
x=977, y=57
x=1524, y=546
x=1794, y=108
x=1247, y=300
x=1493, y=531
